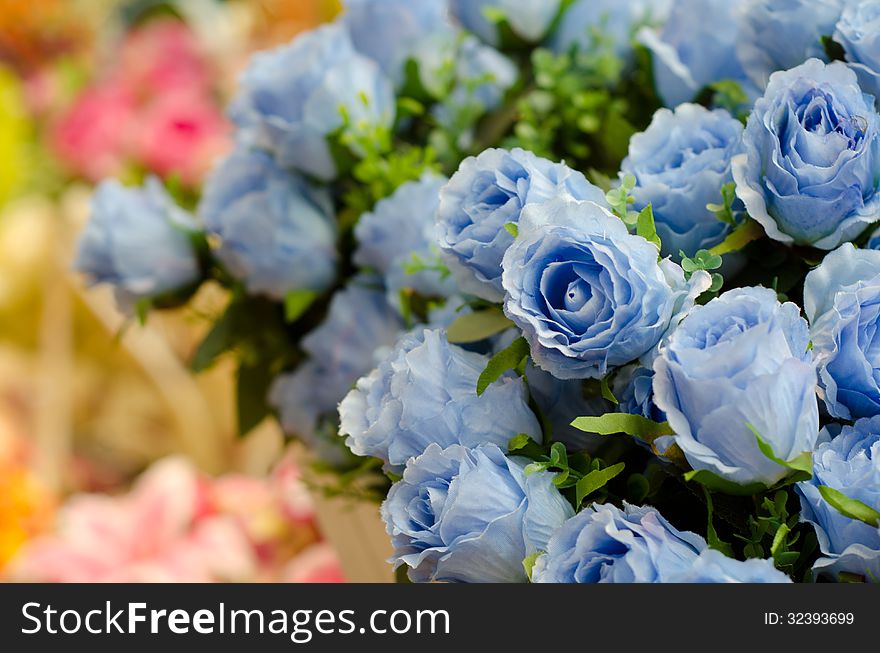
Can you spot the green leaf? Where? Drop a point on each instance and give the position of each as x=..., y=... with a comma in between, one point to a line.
x=297, y=302
x=606, y=391
x=253, y=391
x=219, y=340
x=635, y=425
x=512, y=229
x=717, y=484
x=506, y=359
x=646, y=228
x=802, y=464
x=739, y=238
x=476, y=326
x=852, y=508
x=528, y=563
x=517, y=442
x=712, y=538
x=595, y=480
x=778, y=541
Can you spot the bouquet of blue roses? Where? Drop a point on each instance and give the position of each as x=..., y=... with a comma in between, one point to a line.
x=583, y=290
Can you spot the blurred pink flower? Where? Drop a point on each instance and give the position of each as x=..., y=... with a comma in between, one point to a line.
x=90, y=136
x=180, y=133
x=161, y=56
x=178, y=526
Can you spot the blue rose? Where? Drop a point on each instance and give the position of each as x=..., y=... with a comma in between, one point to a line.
x=858, y=31
x=680, y=164
x=604, y=544
x=276, y=232
x=528, y=19
x=633, y=389
x=399, y=232
x=480, y=78
x=470, y=515
x=842, y=303
x=811, y=166
x=293, y=98
x=740, y=360
x=712, y=566
x=358, y=332
x=138, y=241
x=394, y=32
x=848, y=463
x=588, y=295
x=781, y=34
x=874, y=240
x=424, y=392
x=694, y=48
x=585, y=20
x=486, y=193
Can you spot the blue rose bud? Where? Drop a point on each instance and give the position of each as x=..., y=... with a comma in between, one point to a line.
x=488, y=192
x=841, y=300
x=694, y=48
x=634, y=391
x=617, y=21
x=812, y=160
x=139, y=241
x=850, y=464
x=741, y=360
x=276, y=232
x=858, y=31
x=424, y=392
x=680, y=164
x=394, y=32
x=292, y=98
x=470, y=515
x=528, y=19
x=588, y=295
x=398, y=238
x=358, y=332
x=781, y=34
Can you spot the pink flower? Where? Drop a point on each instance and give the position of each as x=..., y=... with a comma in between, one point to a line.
x=90, y=136
x=151, y=534
x=163, y=56
x=317, y=564
x=181, y=133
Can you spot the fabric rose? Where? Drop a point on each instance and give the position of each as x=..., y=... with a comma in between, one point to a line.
x=809, y=173
x=277, y=233
x=616, y=21
x=480, y=77
x=486, y=193
x=694, y=48
x=138, y=240
x=528, y=19
x=292, y=98
x=858, y=31
x=781, y=34
x=358, y=332
x=400, y=231
x=424, y=392
x=470, y=515
x=849, y=462
x=604, y=544
x=633, y=389
x=742, y=361
x=588, y=295
x=394, y=32
x=680, y=164
x=842, y=303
